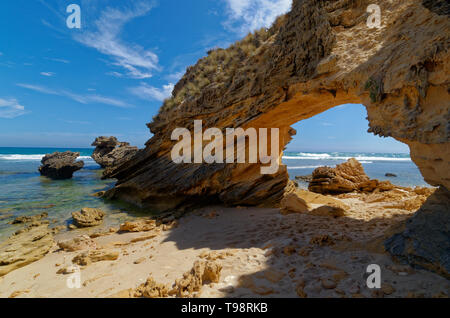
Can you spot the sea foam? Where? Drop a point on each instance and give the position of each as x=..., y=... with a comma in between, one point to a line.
x=18, y=157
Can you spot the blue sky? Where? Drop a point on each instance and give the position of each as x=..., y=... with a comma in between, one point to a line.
x=63, y=87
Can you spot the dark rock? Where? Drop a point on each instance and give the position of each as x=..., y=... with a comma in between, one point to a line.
x=391, y=175
x=110, y=152
x=425, y=239
x=60, y=165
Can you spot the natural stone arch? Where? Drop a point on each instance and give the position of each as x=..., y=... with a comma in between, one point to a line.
x=320, y=55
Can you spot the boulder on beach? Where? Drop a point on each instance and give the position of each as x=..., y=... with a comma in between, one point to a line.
x=110, y=152
x=345, y=178
x=88, y=217
x=60, y=165
x=303, y=201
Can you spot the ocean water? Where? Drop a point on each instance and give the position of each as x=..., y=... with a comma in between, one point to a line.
x=24, y=192
x=376, y=165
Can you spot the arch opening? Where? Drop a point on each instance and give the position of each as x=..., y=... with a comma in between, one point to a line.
x=340, y=133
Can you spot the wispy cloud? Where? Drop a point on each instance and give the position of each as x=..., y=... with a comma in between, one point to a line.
x=147, y=92
x=58, y=60
x=48, y=74
x=248, y=15
x=10, y=108
x=136, y=61
x=80, y=98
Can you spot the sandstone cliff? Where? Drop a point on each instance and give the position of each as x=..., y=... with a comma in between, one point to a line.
x=320, y=55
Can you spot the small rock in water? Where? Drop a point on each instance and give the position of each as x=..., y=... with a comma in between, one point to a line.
x=27, y=219
x=392, y=175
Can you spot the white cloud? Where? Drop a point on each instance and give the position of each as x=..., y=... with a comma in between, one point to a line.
x=145, y=91
x=83, y=99
x=58, y=60
x=48, y=74
x=137, y=61
x=248, y=15
x=115, y=74
x=10, y=108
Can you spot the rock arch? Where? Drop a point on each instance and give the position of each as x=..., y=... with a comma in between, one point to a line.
x=319, y=55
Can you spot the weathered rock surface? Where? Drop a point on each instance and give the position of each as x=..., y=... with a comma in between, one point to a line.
x=110, y=152
x=88, y=217
x=24, y=247
x=425, y=239
x=299, y=68
x=141, y=225
x=89, y=257
x=302, y=201
x=60, y=165
x=293, y=203
x=347, y=177
x=201, y=273
x=152, y=289
x=320, y=55
x=27, y=219
x=77, y=244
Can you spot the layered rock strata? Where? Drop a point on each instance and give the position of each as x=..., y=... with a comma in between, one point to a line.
x=24, y=247
x=109, y=152
x=320, y=55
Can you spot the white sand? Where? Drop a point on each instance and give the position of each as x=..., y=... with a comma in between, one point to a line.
x=255, y=265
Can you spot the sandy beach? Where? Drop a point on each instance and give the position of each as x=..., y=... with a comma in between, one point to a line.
x=262, y=252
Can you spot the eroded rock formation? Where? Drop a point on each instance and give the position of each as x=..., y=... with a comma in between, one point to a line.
x=320, y=55
x=88, y=217
x=60, y=165
x=110, y=152
x=26, y=246
x=346, y=177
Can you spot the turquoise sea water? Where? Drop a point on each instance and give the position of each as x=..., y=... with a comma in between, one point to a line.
x=24, y=192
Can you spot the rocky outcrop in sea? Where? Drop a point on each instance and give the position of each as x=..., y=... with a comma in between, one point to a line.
x=60, y=165
x=110, y=152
